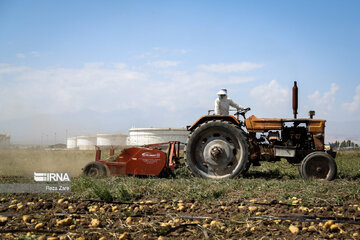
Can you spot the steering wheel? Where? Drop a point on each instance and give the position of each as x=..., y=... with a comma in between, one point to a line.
x=242, y=112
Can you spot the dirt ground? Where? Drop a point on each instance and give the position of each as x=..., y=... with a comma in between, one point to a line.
x=271, y=202
x=70, y=218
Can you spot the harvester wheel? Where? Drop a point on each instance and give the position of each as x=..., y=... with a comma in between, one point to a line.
x=318, y=165
x=217, y=149
x=95, y=169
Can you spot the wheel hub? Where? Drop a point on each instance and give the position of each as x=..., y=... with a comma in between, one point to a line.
x=318, y=168
x=218, y=153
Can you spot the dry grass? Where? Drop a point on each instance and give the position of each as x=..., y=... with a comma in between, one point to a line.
x=279, y=181
x=24, y=162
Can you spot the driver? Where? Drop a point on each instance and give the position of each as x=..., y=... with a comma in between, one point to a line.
x=223, y=103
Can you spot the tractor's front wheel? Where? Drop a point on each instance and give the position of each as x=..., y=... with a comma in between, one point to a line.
x=318, y=165
x=95, y=169
x=217, y=149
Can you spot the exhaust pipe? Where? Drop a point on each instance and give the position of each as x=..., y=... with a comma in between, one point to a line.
x=295, y=99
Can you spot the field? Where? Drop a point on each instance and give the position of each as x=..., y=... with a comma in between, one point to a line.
x=24, y=162
x=269, y=202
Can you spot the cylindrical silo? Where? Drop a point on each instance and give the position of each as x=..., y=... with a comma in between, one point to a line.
x=86, y=142
x=111, y=139
x=71, y=143
x=4, y=141
x=141, y=136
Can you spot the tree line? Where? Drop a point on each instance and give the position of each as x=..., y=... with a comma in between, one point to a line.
x=345, y=144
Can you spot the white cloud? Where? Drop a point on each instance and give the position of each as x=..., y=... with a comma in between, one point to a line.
x=20, y=55
x=59, y=90
x=163, y=64
x=145, y=55
x=104, y=88
x=271, y=94
x=324, y=102
x=353, y=106
x=34, y=54
x=166, y=98
x=230, y=67
x=120, y=65
x=186, y=90
x=10, y=69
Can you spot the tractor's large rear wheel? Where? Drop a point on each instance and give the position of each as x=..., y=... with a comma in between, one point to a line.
x=217, y=149
x=318, y=165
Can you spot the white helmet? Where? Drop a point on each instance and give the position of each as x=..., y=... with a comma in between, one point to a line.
x=222, y=91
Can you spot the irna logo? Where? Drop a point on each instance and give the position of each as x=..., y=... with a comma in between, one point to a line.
x=51, y=177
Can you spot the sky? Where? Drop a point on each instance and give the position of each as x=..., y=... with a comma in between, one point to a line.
x=70, y=68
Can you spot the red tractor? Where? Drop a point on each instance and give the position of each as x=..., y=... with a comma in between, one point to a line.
x=223, y=146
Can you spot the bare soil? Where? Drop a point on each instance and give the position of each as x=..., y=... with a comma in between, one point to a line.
x=271, y=202
x=71, y=218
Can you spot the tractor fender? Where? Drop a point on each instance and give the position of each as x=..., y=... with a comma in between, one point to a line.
x=229, y=118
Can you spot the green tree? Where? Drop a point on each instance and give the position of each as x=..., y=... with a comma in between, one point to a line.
x=345, y=144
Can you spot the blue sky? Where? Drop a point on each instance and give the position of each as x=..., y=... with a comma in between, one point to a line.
x=104, y=66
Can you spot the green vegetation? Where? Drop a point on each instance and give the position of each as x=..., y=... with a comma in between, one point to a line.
x=270, y=181
x=106, y=189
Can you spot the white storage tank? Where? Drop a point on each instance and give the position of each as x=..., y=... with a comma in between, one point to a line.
x=4, y=141
x=141, y=136
x=111, y=139
x=86, y=142
x=71, y=143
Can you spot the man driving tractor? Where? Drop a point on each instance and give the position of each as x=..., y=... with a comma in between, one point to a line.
x=223, y=103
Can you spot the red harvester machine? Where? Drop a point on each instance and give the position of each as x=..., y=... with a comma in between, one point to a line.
x=144, y=160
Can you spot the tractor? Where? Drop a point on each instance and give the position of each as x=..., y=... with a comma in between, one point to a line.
x=224, y=146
